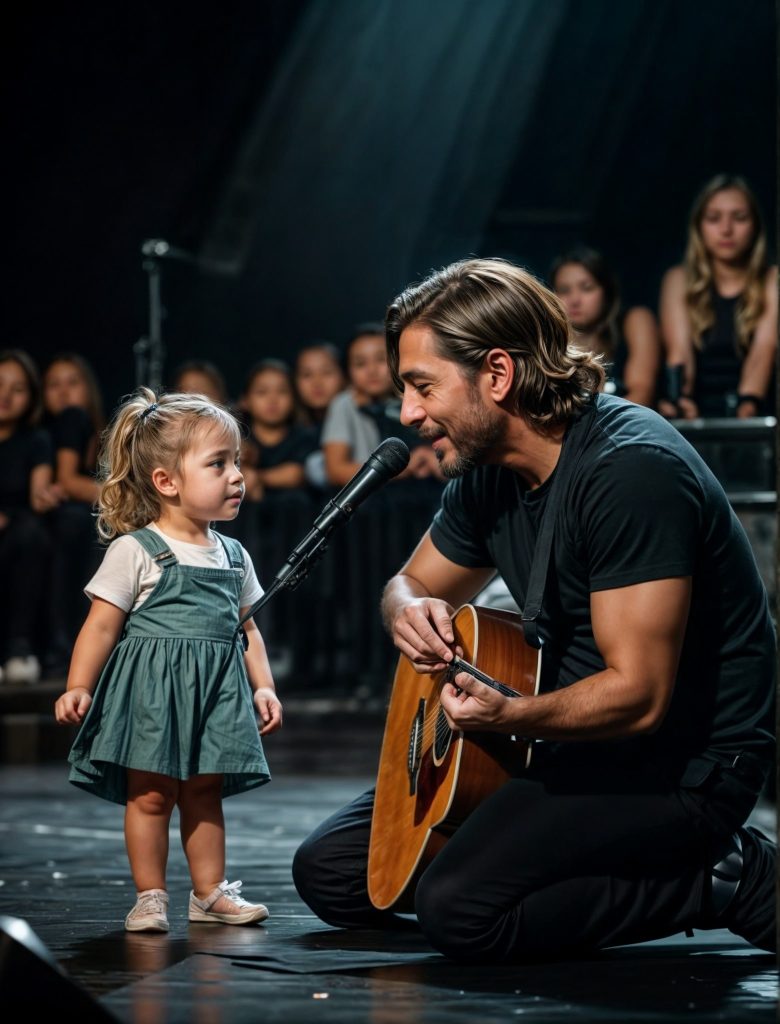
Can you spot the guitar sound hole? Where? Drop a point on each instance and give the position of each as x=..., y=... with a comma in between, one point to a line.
x=442, y=737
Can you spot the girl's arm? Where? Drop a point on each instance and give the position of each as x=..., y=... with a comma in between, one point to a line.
x=44, y=493
x=287, y=474
x=77, y=486
x=643, y=342
x=258, y=670
x=340, y=467
x=676, y=335
x=760, y=359
x=95, y=642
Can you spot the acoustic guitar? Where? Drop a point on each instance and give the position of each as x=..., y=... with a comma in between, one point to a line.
x=430, y=777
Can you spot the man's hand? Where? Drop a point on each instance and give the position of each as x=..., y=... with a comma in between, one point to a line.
x=423, y=632
x=472, y=706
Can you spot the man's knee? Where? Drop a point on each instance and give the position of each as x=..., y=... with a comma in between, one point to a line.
x=305, y=871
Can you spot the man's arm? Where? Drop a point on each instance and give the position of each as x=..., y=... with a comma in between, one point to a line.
x=418, y=604
x=639, y=632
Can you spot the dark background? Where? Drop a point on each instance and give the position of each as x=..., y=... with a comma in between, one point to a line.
x=318, y=155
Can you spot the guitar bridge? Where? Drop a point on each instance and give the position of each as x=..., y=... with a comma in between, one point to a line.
x=414, y=754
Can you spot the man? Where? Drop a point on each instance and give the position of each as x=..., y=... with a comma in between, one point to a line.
x=654, y=719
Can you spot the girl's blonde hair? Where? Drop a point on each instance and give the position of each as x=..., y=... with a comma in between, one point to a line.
x=698, y=268
x=147, y=432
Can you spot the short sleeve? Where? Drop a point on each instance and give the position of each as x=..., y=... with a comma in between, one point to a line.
x=251, y=590
x=119, y=578
x=639, y=518
x=456, y=531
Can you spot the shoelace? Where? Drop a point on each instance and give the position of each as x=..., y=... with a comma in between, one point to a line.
x=153, y=902
x=233, y=892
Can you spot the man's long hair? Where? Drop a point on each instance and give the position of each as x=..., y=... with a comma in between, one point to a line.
x=476, y=305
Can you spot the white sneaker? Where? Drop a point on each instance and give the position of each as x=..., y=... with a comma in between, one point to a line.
x=150, y=913
x=22, y=670
x=225, y=905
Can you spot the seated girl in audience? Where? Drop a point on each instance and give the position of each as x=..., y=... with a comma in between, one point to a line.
x=200, y=377
x=719, y=309
x=318, y=378
x=74, y=420
x=367, y=412
x=629, y=341
x=26, y=491
x=276, y=448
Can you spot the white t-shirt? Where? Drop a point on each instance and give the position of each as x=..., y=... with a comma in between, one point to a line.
x=128, y=575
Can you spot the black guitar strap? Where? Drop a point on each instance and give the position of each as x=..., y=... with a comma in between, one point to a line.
x=573, y=445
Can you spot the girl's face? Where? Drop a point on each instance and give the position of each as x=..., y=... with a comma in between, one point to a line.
x=209, y=483
x=15, y=393
x=64, y=386
x=369, y=373
x=581, y=294
x=318, y=378
x=196, y=382
x=269, y=398
x=727, y=226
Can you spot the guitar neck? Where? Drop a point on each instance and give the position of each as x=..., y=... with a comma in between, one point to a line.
x=459, y=665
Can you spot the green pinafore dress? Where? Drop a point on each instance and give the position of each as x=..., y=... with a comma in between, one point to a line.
x=174, y=696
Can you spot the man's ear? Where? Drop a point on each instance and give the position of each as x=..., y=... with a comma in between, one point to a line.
x=499, y=369
x=164, y=483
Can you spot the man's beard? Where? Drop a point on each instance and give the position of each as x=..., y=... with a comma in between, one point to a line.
x=471, y=439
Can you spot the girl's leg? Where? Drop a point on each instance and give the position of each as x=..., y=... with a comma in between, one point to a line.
x=203, y=839
x=203, y=831
x=150, y=802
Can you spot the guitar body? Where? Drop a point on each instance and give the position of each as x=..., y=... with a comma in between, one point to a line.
x=431, y=778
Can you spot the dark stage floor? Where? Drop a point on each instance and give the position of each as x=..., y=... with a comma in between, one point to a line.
x=63, y=871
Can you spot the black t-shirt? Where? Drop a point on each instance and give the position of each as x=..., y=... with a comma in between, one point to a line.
x=295, y=446
x=642, y=505
x=20, y=454
x=73, y=429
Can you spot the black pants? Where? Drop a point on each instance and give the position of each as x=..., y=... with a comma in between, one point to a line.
x=571, y=858
x=25, y=552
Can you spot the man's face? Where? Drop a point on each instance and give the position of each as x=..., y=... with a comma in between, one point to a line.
x=447, y=409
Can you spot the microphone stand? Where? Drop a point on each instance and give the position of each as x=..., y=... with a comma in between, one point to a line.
x=292, y=574
x=149, y=350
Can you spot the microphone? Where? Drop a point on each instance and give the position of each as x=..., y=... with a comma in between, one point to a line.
x=385, y=462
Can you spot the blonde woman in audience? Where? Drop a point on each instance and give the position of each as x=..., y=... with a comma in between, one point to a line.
x=719, y=309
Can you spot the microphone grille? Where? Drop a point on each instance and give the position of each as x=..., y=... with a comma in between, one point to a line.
x=393, y=454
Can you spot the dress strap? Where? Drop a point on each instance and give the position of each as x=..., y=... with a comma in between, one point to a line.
x=154, y=545
x=232, y=550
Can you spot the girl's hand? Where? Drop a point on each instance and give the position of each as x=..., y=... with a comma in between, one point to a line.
x=269, y=708
x=72, y=705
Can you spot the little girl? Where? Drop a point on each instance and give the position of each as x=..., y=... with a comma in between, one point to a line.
x=166, y=696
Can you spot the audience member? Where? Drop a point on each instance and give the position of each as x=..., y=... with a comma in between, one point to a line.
x=627, y=340
x=318, y=378
x=275, y=448
x=719, y=309
x=73, y=410
x=198, y=376
x=367, y=412
x=26, y=491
